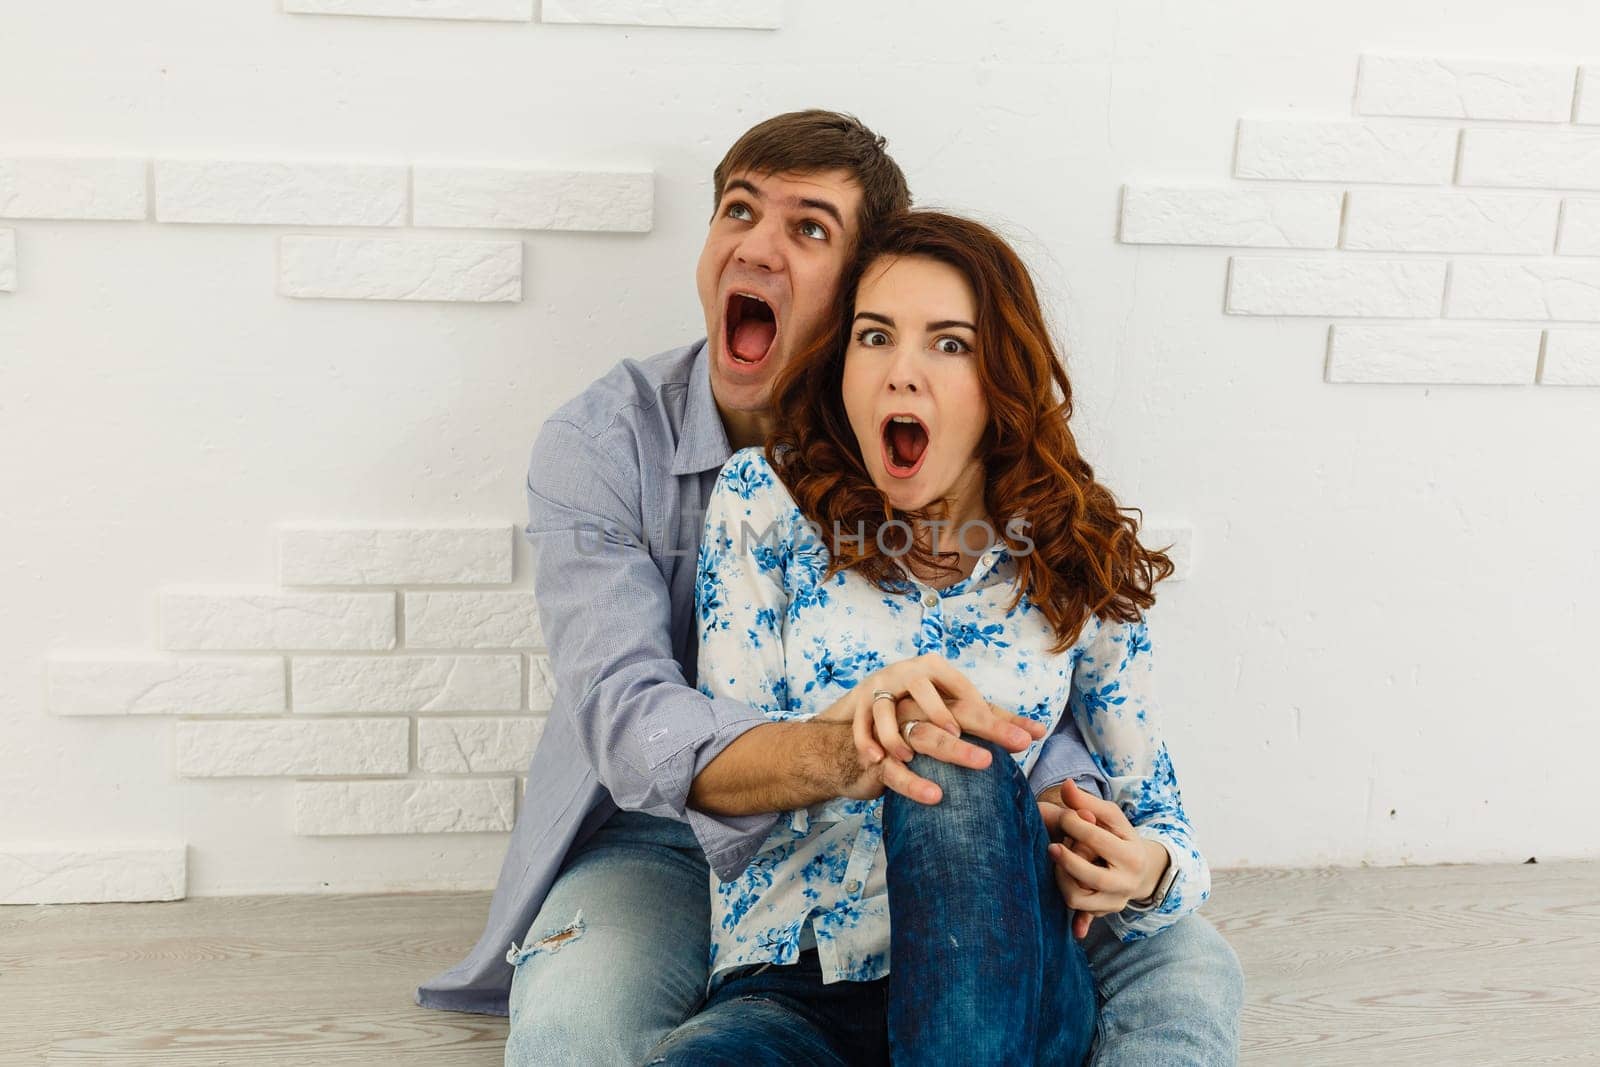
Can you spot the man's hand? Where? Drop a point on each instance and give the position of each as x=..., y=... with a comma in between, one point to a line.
x=932, y=690
x=1101, y=863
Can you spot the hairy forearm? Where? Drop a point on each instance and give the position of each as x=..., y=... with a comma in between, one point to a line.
x=777, y=766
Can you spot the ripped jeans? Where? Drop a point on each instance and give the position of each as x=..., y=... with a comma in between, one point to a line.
x=984, y=967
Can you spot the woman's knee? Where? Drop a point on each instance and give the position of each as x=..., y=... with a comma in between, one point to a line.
x=961, y=786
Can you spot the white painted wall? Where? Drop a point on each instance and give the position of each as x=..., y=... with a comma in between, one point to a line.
x=1382, y=650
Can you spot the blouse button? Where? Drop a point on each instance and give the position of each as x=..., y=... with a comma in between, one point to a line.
x=852, y=887
x=930, y=599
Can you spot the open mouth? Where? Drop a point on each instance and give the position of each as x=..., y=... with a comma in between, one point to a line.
x=905, y=445
x=752, y=327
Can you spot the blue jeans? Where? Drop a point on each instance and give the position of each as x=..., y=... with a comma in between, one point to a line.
x=984, y=968
x=638, y=968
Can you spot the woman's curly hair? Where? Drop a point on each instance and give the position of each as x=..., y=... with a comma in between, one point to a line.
x=1085, y=554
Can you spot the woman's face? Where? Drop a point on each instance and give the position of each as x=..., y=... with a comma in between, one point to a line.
x=911, y=387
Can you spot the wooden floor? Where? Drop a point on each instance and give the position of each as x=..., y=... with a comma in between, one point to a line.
x=1438, y=965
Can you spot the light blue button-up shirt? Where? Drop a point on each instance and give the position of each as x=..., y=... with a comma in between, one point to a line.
x=618, y=484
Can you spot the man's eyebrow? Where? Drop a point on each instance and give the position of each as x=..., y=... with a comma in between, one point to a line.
x=945, y=324
x=740, y=183
x=875, y=317
x=826, y=208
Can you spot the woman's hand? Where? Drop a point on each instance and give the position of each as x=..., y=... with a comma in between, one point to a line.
x=1107, y=864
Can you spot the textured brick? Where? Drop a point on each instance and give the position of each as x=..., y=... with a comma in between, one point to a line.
x=170, y=685
x=516, y=199
x=541, y=683
x=281, y=747
x=406, y=683
x=61, y=187
x=88, y=875
x=1396, y=220
x=1407, y=154
x=1345, y=285
x=323, y=554
x=205, y=619
x=1524, y=289
x=411, y=806
x=378, y=268
x=736, y=14
x=1548, y=159
x=472, y=620
x=484, y=10
x=476, y=746
x=280, y=193
x=1464, y=88
x=1258, y=218
x=1571, y=357
x=8, y=261
x=1580, y=228
x=1432, y=355
x=1588, y=106
x=1177, y=542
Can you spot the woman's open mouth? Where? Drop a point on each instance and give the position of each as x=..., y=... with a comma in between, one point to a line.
x=905, y=445
x=751, y=327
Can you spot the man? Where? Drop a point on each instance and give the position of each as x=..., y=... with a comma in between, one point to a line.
x=603, y=898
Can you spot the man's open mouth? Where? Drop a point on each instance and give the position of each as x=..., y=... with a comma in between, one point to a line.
x=751, y=328
x=905, y=444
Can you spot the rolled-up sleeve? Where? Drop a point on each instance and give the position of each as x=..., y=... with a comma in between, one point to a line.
x=607, y=616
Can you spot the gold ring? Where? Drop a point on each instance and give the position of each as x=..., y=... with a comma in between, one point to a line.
x=882, y=694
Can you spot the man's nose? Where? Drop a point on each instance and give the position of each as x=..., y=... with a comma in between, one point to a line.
x=760, y=247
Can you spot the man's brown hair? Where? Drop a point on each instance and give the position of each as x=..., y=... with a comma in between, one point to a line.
x=815, y=140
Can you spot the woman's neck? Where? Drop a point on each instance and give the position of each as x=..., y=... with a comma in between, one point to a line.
x=961, y=509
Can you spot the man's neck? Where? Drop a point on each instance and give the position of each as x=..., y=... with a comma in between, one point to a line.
x=745, y=429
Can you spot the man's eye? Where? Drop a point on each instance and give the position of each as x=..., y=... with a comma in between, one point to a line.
x=814, y=230
x=740, y=212
x=872, y=338
x=954, y=346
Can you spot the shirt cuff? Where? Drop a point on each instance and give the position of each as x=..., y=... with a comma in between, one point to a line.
x=730, y=842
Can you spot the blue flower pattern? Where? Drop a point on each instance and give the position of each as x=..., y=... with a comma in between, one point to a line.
x=776, y=636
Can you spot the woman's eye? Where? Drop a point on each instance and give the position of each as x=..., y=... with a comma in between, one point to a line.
x=954, y=346
x=873, y=338
x=740, y=212
x=814, y=230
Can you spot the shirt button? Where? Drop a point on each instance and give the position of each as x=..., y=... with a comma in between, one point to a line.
x=852, y=887
x=930, y=599
x=984, y=561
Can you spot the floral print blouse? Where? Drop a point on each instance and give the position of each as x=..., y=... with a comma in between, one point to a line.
x=776, y=636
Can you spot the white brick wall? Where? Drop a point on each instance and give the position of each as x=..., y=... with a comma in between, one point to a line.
x=405, y=807
x=1587, y=110
x=166, y=685
x=1432, y=355
x=1571, y=357
x=1552, y=159
x=70, y=187
x=1464, y=88
x=266, y=192
x=280, y=747
x=487, y=10
x=367, y=268
x=1304, y=150
x=8, y=261
x=1580, y=228
x=1255, y=218
x=504, y=198
x=333, y=554
x=268, y=619
x=476, y=746
x=745, y=14
x=1558, y=290
x=1381, y=288
x=322, y=684
x=472, y=620
x=1394, y=220
x=541, y=683
x=88, y=875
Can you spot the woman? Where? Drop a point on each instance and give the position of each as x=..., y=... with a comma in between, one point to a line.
x=922, y=530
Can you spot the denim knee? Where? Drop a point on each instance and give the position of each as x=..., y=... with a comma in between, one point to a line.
x=974, y=798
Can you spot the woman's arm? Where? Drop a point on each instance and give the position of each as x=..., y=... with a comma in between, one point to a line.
x=1113, y=703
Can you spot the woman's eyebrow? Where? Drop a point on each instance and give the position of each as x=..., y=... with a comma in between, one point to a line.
x=945, y=324
x=875, y=317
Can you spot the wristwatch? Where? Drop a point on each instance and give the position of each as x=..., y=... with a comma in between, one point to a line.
x=1158, y=895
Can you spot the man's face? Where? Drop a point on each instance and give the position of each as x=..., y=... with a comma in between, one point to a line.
x=768, y=273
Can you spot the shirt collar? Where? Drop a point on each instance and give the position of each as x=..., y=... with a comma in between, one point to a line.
x=702, y=443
